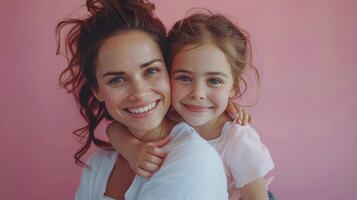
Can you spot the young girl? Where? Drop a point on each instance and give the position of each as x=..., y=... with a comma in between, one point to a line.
x=208, y=55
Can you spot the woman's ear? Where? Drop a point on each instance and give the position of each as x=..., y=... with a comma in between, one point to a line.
x=97, y=94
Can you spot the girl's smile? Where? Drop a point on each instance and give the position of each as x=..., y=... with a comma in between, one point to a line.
x=201, y=83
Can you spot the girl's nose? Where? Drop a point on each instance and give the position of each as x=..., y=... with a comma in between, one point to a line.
x=197, y=92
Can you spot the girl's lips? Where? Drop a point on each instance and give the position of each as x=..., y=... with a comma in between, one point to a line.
x=196, y=108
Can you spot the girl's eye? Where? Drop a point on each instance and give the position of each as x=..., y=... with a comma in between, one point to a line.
x=183, y=78
x=152, y=71
x=214, y=81
x=116, y=81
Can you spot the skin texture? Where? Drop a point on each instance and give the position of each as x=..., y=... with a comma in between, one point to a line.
x=202, y=85
x=131, y=74
x=146, y=158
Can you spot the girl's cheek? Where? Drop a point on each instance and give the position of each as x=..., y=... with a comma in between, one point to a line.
x=173, y=90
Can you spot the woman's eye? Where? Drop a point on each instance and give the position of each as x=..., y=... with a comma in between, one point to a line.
x=116, y=81
x=183, y=78
x=152, y=71
x=215, y=81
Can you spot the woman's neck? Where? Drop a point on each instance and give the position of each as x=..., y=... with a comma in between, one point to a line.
x=159, y=132
x=213, y=128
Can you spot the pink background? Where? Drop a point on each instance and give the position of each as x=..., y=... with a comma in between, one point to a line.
x=305, y=51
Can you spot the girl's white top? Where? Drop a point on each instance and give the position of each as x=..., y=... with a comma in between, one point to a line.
x=244, y=156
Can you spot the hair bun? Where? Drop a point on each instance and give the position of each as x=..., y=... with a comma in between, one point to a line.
x=95, y=6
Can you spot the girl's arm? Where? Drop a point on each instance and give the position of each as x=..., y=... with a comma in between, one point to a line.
x=143, y=158
x=256, y=190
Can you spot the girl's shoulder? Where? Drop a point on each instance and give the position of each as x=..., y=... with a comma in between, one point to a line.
x=242, y=143
x=246, y=157
x=238, y=133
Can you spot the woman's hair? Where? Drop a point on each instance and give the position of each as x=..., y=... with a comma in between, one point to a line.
x=82, y=43
x=199, y=29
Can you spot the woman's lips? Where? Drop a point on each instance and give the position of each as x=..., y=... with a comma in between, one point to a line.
x=141, y=112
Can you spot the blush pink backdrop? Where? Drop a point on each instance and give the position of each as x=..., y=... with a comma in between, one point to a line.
x=304, y=50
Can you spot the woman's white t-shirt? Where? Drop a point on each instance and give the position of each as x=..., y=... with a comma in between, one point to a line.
x=192, y=170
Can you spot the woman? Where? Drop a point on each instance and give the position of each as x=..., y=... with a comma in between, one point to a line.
x=117, y=71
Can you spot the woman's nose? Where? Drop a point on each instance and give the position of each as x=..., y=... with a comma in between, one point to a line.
x=140, y=90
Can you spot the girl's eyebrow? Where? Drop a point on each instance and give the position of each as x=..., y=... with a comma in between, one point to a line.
x=217, y=73
x=181, y=71
x=146, y=64
x=208, y=73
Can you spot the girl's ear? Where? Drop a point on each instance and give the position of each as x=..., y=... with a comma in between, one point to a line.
x=97, y=94
x=235, y=90
x=233, y=93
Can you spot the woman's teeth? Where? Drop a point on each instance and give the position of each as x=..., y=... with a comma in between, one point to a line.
x=142, y=109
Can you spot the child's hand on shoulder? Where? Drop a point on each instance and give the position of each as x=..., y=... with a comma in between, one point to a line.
x=147, y=157
x=238, y=114
x=144, y=158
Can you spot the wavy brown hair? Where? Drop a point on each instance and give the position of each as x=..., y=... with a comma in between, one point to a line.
x=82, y=43
x=198, y=29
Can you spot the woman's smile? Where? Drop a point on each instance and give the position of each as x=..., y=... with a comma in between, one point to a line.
x=133, y=81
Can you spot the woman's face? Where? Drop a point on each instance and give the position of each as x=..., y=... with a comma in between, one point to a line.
x=133, y=81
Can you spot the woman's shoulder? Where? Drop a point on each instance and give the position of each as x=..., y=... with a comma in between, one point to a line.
x=101, y=158
x=183, y=131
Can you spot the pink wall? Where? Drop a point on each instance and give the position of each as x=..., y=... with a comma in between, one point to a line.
x=305, y=51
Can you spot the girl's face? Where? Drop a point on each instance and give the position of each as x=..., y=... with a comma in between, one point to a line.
x=133, y=81
x=201, y=83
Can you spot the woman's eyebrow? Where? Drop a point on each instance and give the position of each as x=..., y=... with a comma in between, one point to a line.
x=118, y=73
x=150, y=62
x=113, y=73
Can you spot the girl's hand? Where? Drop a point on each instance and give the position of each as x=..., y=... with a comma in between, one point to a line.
x=238, y=114
x=146, y=158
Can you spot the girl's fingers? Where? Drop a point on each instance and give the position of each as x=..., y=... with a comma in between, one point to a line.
x=156, y=151
x=240, y=116
x=153, y=159
x=231, y=108
x=246, y=118
x=143, y=173
x=149, y=167
x=232, y=115
x=162, y=142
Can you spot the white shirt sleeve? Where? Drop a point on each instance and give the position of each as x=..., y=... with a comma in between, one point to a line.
x=95, y=176
x=83, y=191
x=191, y=171
x=248, y=158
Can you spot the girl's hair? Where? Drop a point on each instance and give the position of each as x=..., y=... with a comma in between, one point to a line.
x=199, y=29
x=82, y=43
